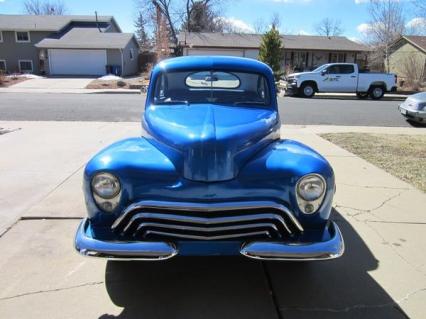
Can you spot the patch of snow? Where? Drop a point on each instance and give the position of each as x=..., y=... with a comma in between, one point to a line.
x=26, y=76
x=110, y=77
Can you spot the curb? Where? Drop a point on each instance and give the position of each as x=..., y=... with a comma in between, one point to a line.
x=323, y=96
x=71, y=91
x=354, y=98
x=115, y=92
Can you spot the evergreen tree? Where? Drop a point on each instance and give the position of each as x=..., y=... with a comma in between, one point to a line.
x=271, y=51
x=140, y=32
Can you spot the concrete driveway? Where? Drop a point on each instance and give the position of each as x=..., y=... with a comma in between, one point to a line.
x=56, y=83
x=381, y=275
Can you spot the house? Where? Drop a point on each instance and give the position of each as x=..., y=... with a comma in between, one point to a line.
x=300, y=52
x=407, y=57
x=66, y=45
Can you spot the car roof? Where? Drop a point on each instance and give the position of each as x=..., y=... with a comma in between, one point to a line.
x=213, y=63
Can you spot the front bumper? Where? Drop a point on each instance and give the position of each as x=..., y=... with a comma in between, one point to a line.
x=87, y=245
x=291, y=88
x=412, y=114
x=331, y=247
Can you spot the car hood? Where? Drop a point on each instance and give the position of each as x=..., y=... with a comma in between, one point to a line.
x=297, y=74
x=415, y=101
x=212, y=141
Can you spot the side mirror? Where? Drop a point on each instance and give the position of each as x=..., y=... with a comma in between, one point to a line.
x=323, y=72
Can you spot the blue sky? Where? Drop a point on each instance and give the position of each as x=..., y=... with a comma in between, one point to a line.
x=297, y=16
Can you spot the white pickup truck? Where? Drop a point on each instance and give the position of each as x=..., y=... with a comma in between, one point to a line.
x=340, y=77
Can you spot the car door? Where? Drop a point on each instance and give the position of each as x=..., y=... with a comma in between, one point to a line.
x=339, y=78
x=347, y=78
x=329, y=79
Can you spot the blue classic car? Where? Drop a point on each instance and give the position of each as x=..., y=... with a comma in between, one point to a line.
x=210, y=175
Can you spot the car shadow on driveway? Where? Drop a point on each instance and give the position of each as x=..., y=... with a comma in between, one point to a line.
x=190, y=287
x=340, y=288
x=234, y=287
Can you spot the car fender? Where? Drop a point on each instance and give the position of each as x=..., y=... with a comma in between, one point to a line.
x=283, y=163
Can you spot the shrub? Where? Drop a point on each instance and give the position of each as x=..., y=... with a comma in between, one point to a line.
x=121, y=84
x=413, y=72
x=2, y=78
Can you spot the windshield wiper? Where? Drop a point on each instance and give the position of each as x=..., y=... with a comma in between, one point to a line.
x=174, y=102
x=250, y=102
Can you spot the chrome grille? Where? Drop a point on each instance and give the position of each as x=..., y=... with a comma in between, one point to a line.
x=213, y=221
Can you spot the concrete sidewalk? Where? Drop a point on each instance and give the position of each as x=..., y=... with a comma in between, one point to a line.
x=56, y=83
x=382, y=274
x=68, y=90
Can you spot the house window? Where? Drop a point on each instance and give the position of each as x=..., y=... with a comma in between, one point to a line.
x=26, y=66
x=1, y=36
x=132, y=54
x=22, y=36
x=2, y=66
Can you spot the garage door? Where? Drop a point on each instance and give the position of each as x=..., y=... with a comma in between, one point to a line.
x=77, y=62
x=215, y=52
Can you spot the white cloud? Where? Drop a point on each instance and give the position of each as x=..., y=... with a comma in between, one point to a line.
x=237, y=25
x=416, y=23
x=303, y=32
x=355, y=39
x=364, y=28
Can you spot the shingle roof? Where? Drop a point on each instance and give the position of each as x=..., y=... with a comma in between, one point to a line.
x=43, y=23
x=234, y=40
x=418, y=40
x=87, y=38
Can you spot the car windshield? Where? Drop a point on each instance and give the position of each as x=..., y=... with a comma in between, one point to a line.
x=218, y=87
x=320, y=68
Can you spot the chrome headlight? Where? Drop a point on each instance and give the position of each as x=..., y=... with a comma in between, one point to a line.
x=106, y=191
x=310, y=192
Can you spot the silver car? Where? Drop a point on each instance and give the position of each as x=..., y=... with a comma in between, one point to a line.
x=414, y=107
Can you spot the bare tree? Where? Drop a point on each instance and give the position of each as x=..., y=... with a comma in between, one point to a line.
x=329, y=27
x=202, y=16
x=260, y=26
x=276, y=20
x=169, y=16
x=37, y=7
x=386, y=25
x=169, y=9
x=420, y=6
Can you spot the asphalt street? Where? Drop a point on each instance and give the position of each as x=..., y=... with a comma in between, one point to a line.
x=129, y=107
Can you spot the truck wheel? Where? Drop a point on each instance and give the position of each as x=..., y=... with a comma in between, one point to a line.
x=307, y=90
x=377, y=92
x=362, y=95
